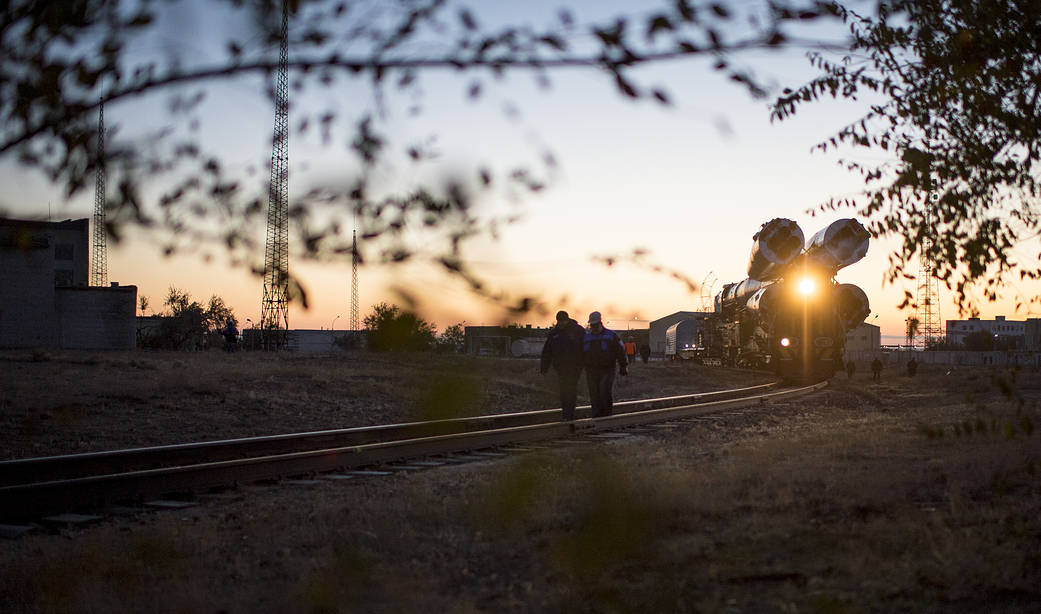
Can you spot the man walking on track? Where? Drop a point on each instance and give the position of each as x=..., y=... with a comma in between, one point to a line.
x=563, y=351
x=601, y=349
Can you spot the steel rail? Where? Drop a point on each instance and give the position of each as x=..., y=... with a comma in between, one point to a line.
x=23, y=501
x=51, y=468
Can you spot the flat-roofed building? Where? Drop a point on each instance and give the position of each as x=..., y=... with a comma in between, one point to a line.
x=657, y=329
x=45, y=299
x=1032, y=334
x=999, y=327
x=863, y=341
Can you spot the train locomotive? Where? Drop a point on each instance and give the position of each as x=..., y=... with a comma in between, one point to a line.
x=790, y=315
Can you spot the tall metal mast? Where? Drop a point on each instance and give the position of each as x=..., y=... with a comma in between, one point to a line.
x=98, y=257
x=927, y=305
x=274, y=316
x=927, y=299
x=355, y=323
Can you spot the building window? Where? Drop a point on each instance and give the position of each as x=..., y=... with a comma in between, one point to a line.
x=62, y=277
x=63, y=251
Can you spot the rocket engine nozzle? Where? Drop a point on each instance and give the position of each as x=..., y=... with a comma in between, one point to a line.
x=852, y=305
x=841, y=244
x=778, y=242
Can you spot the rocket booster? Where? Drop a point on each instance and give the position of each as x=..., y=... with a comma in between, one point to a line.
x=778, y=250
x=777, y=244
x=841, y=244
x=852, y=305
x=734, y=294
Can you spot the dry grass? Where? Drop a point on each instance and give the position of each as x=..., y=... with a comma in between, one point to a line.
x=910, y=495
x=64, y=402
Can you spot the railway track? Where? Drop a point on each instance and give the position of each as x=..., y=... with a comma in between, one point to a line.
x=35, y=487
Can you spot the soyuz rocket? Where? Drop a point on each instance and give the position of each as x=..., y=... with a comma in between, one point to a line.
x=781, y=257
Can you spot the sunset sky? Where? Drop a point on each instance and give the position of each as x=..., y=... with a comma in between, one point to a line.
x=690, y=183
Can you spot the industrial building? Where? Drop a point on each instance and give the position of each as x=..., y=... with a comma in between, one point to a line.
x=504, y=340
x=863, y=342
x=45, y=299
x=656, y=330
x=1020, y=334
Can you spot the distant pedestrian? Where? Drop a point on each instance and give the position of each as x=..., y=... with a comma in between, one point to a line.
x=563, y=351
x=645, y=353
x=231, y=336
x=876, y=369
x=912, y=367
x=601, y=349
x=851, y=368
x=630, y=351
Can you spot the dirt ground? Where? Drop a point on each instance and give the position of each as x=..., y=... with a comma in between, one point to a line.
x=906, y=495
x=66, y=402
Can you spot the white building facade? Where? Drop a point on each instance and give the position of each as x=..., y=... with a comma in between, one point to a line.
x=999, y=327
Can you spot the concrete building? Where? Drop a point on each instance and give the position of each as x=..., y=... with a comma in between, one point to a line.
x=520, y=341
x=656, y=331
x=45, y=300
x=504, y=340
x=1032, y=334
x=999, y=327
x=319, y=341
x=863, y=342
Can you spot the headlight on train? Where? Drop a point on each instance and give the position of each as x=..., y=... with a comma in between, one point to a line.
x=807, y=286
x=785, y=342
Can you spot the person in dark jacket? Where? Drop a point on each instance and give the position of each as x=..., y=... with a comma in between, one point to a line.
x=601, y=349
x=912, y=367
x=645, y=353
x=231, y=336
x=563, y=351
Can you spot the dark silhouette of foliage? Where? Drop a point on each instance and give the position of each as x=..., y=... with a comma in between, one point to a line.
x=451, y=340
x=62, y=60
x=985, y=341
x=979, y=341
x=390, y=328
x=187, y=324
x=959, y=89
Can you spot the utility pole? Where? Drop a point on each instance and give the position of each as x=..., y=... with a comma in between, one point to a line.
x=98, y=256
x=274, y=318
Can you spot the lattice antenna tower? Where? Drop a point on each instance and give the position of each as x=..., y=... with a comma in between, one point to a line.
x=355, y=323
x=927, y=299
x=274, y=315
x=707, y=285
x=98, y=256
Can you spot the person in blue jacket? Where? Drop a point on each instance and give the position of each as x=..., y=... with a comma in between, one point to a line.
x=563, y=351
x=601, y=349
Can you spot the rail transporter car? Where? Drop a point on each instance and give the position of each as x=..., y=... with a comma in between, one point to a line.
x=790, y=316
x=686, y=340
